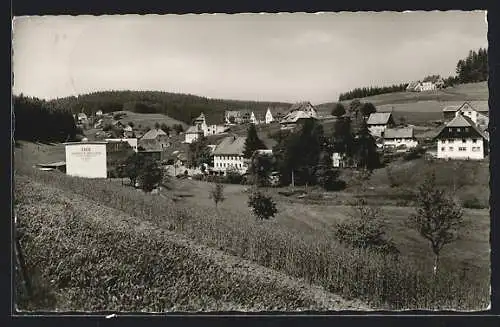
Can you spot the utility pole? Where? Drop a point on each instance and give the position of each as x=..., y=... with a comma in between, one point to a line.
x=293, y=181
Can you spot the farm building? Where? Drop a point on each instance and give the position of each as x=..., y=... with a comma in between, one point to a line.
x=378, y=122
x=298, y=113
x=421, y=86
x=479, y=115
x=93, y=159
x=400, y=137
x=462, y=139
x=228, y=154
x=192, y=134
x=237, y=116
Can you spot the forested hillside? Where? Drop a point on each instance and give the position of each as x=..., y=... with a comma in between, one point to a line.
x=183, y=107
x=43, y=121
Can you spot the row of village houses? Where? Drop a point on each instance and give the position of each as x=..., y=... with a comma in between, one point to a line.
x=463, y=136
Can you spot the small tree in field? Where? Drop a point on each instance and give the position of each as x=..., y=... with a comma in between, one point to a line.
x=338, y=110
x=263, y=206
x=437, y=218
x=365, y=230
x=217, y=193
x=151, y=175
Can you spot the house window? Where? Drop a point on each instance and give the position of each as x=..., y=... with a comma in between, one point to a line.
x=451, y=148
x=450, y=141
x=464, y=141
x=475, y=148
x=443, y=148
x=458, y=129
x=461, y=148
x=474, y=140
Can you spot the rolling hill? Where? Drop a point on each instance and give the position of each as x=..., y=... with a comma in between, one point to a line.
x=422, y=107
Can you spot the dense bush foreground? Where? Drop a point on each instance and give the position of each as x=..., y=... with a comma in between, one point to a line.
x=321, y=260
x=92, y=258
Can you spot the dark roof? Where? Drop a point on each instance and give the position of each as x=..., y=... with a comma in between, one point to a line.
x=398, y=133
x=231, y=145
x=463, y=121
x=150, y=145
x=153, y=134
x=379, y=118
x=302, y=106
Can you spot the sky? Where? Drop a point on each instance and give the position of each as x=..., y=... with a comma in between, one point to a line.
x=262, y=57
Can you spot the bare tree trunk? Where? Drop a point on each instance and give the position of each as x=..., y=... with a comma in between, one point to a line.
x=22, y=266
x=436, y=262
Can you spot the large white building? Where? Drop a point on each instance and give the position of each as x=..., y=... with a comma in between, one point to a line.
x=228, y=154
x=462, y=139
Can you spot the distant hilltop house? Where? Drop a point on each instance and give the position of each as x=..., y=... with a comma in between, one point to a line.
x=397, y=137
x=378, y=122
x=478, y=114
x=98, y=113
x=423, y=86
x=200, y=127
x=461, y=138
x=228, y=154
x=298, y=113
x=237, y=116
x=128, y=131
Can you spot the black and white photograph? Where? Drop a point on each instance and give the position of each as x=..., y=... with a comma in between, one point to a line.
x=252, y=163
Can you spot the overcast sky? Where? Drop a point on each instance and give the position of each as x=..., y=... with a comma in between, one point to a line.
x=285, y=57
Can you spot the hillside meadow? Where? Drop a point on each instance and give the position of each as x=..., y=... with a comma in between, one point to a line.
x=299, y=242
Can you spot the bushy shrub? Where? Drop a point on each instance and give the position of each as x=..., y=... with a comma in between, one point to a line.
x=473, y=203
x=263, y=206
x=414, y=153
x=365, y=230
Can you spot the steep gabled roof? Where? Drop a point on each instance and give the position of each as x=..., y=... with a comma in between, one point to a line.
x=463, y=121
x=379, y=118
x=476, y=107
x=302, y=106
x=294, y=116
x=153, y=134
x=231, y=145
x=399, y=133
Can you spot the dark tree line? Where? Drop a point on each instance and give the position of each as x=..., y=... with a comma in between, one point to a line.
x=40, y=120
x=372, y=90
x=474, y=68
x=183, y=107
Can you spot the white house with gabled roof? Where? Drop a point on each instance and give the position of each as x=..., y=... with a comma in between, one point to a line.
x=462, y=139
x=399, y=137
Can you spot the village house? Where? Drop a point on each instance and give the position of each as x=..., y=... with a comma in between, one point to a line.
x=98, y=113
x=151, y=149
x=399, y=137
x=462, y=139
x=478, y=114
x=82, y=118
x=378, y=122
x=228, y=154
x=200, y=127
x=156, y=134
x=298, y=113
x=421, y=86
x=128, y=131
x=269, y=116
x=238, y=116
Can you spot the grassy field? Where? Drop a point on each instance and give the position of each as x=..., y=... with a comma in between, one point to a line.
x=423, y=107
x=130, y=265
x=149, y=119
x=299, y=241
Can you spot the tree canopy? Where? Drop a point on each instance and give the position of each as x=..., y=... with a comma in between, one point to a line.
x=252, y=142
